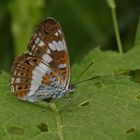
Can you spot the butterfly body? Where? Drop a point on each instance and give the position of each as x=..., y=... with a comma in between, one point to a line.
x=44, y=71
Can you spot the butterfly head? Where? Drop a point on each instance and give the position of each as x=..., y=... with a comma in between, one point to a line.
x=71, y=88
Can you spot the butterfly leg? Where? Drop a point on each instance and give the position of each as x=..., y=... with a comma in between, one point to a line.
x=49, y=103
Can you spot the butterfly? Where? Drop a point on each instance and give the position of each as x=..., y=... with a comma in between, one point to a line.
x=43, y=72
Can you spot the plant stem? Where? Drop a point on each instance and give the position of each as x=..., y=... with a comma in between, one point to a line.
x=58, y=120
x=119, y=44
x=112, y=6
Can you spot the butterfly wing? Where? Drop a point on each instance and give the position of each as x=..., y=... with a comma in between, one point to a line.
x=39, y=73
x=48, y=44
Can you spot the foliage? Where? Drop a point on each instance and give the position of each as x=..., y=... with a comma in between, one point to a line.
x=103, y=108
x=92, y=25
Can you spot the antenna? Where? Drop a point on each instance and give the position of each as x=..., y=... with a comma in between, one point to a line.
x=94, y=77
x=85, y=70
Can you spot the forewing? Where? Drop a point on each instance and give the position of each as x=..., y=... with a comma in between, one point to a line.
x=48, y=44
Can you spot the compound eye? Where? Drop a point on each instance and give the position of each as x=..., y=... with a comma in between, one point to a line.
x=71, y=88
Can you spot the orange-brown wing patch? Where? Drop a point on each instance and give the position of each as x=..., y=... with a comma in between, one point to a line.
x=46, y=33
x=60, y=58
x=21, y=74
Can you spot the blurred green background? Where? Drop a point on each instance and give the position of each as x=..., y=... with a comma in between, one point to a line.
x=86, y=24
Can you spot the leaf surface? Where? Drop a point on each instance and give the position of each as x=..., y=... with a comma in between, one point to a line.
x=104, y=108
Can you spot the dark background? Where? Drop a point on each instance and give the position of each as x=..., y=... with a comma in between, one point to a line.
x=86, y=24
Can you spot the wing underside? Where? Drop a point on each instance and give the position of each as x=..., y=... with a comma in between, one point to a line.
x=45, y=67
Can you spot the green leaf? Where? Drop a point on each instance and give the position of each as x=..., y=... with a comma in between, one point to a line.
x=108, y=62
x=105, y=108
